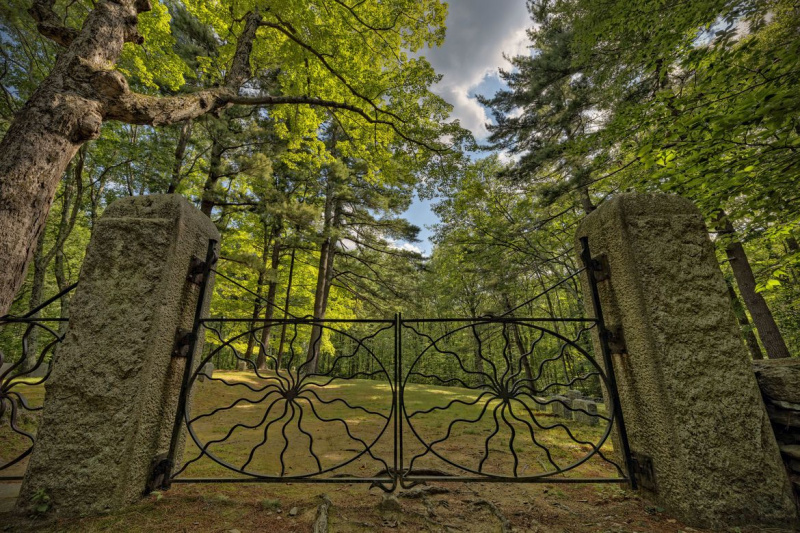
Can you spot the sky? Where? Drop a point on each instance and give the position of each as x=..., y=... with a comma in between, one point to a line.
x=479, y=32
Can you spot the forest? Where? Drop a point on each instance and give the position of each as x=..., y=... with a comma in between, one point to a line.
x=305, y=130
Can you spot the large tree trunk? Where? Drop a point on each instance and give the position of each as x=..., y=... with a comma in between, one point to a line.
x=33, y=156
x=768, y=330
x=747, y=332
x=269, y=309
x=64, y=112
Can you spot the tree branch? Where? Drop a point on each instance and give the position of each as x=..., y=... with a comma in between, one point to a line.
x=49, y=25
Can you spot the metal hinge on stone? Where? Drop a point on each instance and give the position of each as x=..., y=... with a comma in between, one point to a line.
x=599, y=266
x=183, y=340
x=643, y=471
x=160, y=470
x=616, y=340
x=197, y=269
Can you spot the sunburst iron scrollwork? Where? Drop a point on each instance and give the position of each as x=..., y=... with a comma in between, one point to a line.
x=18, y=415
x=499, y=380
x=291, y=422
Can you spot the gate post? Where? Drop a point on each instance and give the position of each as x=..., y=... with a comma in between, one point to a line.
x=113, y=393
x=699, y=435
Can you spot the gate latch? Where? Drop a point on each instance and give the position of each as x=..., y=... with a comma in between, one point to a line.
x=643, y=471
x=183, y=340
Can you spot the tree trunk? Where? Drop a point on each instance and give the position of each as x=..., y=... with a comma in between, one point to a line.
x=251, y=338
x=65, y=111
x=747, y=332
x=37, y=289
x=586, y=200
x=73, y=201
x=324, y=281
x=34, y=154
x=209, y=199
x=526, y=365
x=478, y=356
x=287, y=301
x=768, y=330
x=180, y=153
x=269, y=309
x=793, y=247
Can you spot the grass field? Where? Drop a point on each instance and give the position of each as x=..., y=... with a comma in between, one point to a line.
x=284, y=440
x=338, y=421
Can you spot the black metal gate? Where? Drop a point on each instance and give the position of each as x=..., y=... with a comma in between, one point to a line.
x=400, y=401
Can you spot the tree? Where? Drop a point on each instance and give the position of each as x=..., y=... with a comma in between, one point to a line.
x=317, y=49
x=694, y=98
x=546, y=116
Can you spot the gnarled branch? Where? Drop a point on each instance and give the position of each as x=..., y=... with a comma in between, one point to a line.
x=48, y=23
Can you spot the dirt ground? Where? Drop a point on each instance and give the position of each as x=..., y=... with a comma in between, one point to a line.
x=456, y=507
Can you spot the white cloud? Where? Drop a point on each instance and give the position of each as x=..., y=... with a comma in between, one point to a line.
x=478, y=34
x=406, y=246
x=505, y=157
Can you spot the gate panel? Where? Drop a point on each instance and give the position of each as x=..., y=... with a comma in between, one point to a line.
x=504, y=399
x=290, y=421
x=399, y=402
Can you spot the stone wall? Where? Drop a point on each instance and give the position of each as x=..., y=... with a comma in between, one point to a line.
x=779, y=380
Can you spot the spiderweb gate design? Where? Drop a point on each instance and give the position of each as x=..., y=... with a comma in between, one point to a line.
x=396, y=402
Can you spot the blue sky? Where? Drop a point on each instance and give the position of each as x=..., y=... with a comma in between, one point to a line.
x=479, y=32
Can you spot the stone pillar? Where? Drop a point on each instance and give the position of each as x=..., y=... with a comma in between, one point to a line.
x=112, y=397
x=687, y=392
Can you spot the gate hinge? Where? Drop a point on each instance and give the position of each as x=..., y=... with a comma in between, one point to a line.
x=616, y=340
x=643, y=471
x=160, y=472
x=183, y=339
x=599, y=266
x=197, y=268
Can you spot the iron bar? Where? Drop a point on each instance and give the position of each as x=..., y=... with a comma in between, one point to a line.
x=608, y=360
x=189, y=364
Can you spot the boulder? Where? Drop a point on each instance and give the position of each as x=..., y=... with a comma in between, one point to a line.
x=779, y=379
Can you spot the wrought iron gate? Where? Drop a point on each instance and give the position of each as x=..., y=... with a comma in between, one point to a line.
x=400, y=401
x=27, y=345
